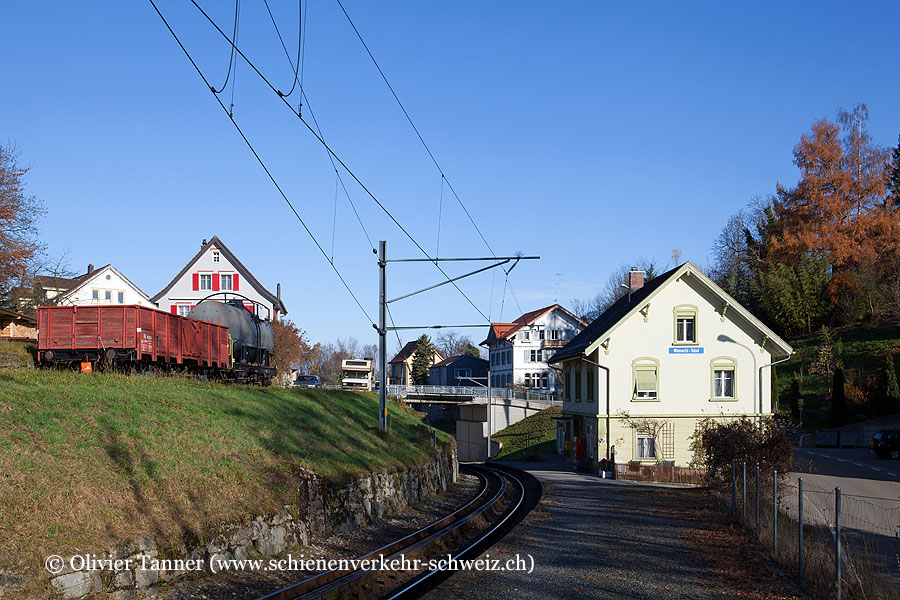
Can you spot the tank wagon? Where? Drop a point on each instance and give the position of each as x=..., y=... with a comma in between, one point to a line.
x=215, y=339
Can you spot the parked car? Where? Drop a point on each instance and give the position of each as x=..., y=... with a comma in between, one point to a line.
x=886, y=444
x=308, y=381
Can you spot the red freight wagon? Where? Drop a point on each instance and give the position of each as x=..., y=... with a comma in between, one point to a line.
x=129, y=333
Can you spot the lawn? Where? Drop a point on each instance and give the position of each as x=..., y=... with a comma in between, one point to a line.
x=529, y=437
x=90, y=459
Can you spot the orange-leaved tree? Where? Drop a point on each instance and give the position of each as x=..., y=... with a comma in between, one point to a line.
x=18, y=220
x=837, y=208
x=291, y=346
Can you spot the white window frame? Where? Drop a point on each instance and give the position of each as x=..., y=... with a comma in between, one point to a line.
x=640, y=449
x=183, y=309
x=230, y=277
x=120, y=296
x=685, y=312
x=722, y=364
x=200, y=281
x=215, y=256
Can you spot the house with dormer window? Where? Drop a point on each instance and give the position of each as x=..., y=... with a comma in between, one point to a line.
x=518, y=351
x=216, y=273
x=671, y=352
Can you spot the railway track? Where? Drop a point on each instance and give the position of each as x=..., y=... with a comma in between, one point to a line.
x=504, y=498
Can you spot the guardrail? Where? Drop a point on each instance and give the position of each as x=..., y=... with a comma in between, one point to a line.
x=404, y=391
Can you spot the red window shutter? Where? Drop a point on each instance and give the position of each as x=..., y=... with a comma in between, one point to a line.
x=234, y=282
x=192, y=307
x=173, y=309
x=196, y=277
x=215, y=279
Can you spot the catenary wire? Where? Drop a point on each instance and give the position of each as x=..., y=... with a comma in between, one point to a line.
x=303, y=96
x=296, y=67
x=424, y=144
x=231, y=58
x=344, y=165
x=262, y=164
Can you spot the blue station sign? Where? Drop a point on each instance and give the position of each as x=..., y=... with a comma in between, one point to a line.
x=686, y=350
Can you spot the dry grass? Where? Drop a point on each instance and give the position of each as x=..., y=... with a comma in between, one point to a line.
x=88, y=460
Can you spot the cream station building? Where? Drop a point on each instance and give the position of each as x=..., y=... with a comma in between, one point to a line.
x=665, y=356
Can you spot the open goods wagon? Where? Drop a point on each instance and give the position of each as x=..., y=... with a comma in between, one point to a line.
x=136, y=334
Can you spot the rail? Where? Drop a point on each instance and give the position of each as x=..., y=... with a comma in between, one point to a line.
x=495, y=485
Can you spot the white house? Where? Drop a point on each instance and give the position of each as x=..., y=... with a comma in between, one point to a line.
x=665, y=356
x=105, y=285
x=215, y=271
x=519, y=350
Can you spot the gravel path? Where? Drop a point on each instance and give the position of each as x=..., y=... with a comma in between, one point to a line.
x=594, y=538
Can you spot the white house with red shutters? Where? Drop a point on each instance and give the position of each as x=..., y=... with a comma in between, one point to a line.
x=217, y=273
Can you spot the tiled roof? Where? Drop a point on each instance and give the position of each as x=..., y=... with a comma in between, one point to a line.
x=502, y=331
x=449, y=361
x=405, y=352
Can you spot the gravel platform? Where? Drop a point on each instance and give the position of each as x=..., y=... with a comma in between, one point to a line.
x=595, y=538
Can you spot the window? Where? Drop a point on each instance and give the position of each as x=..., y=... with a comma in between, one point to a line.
x=554, y=334
x=225, y=282
x=528, y=380
x=685, y=324
x=526, y=335
x=535, y=356
x=541, y=334
x=206, y=281
x=107, y=295
x=461, y=373
x=568, y=385
x=183, y=310
x=723, y=371
x=509, y=356
x=215, y=256
x=645, y=374
x=545, y=380
x=95, y=294
x=645, y=446
x=121, y=297
x=590, y=386
x=577, y=385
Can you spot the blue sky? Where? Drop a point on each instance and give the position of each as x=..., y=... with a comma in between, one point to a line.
x=589, y=133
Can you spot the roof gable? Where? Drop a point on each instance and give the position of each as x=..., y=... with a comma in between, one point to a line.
x=505, y=331
x=454, y=359
x=89, y=277
x=238, y=266
x=603, y=326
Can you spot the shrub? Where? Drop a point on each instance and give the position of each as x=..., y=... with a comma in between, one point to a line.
x=716, y=444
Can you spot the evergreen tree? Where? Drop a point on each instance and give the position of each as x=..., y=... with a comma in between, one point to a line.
x=422, y=360
x=890, y=387
x=472, y=350
x=795, y=398
x=838, y=399
x=892, y=197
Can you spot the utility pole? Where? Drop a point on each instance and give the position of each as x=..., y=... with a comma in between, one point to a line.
x=382, y=335
x=382, y=327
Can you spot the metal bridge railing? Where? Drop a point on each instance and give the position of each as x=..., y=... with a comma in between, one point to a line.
x=404, y=391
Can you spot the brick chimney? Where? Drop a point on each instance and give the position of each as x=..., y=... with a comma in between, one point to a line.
x=90, y=268
x=203, y=244
x=635, y=281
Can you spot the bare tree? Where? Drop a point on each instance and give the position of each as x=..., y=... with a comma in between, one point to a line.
x=615, y=287
x=453, y=343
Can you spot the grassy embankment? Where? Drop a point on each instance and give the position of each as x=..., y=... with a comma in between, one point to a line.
x=87, y=460
x=861, y=352
x=529, y=437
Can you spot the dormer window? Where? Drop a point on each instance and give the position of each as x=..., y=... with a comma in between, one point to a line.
x=685, y=324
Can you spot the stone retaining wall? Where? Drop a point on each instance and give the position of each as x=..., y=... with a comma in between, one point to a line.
x=322, y=507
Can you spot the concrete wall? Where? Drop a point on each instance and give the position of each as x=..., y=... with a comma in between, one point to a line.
x=472, y=426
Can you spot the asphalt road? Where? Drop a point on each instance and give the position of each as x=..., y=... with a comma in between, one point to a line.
x=870, y=487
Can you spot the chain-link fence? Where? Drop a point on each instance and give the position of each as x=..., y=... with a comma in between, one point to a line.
x=838, y=545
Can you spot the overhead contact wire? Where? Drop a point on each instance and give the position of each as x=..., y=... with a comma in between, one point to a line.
x=345, y=167
x=262, y=164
